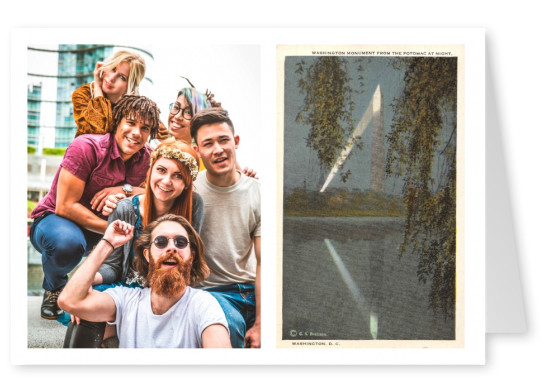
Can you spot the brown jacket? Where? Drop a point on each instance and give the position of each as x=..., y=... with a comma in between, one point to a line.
x=92, y=116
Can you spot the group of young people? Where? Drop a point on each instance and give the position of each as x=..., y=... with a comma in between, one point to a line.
x=168, y=222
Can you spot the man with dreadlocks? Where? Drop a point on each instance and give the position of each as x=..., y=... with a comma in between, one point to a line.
x=68, y=222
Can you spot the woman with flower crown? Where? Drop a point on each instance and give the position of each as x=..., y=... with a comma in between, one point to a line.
x=169, y=189
x=188, y=103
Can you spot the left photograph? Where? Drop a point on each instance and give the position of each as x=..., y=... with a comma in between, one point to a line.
x=143, y=196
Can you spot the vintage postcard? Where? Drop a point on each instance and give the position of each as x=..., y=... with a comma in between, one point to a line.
x=372, y=196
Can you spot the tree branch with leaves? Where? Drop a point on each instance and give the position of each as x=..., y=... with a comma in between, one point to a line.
x=422, y=150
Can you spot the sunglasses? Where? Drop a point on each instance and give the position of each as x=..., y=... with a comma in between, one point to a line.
x=180, y=242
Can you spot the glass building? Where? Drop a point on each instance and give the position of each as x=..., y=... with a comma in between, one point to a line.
x=34, y=97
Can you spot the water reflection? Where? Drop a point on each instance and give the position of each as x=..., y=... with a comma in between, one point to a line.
x=343, y=279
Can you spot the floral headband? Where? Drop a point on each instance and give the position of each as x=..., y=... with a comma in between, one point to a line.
x=173, y=153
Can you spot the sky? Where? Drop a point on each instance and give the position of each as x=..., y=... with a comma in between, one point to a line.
x=302, y=167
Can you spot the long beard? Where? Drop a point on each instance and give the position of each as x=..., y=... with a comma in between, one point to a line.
x=169, y=282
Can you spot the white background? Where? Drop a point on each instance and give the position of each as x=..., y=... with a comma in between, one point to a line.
x=517, y=56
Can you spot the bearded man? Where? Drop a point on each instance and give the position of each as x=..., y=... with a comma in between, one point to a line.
x=167, y=313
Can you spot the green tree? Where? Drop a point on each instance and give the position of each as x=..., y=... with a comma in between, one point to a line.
x=327, y=108
x=424, y=155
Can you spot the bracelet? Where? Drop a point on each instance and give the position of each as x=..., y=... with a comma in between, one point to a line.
x=111, y=244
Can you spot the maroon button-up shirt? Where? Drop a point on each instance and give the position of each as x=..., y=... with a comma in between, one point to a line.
x=96, y=160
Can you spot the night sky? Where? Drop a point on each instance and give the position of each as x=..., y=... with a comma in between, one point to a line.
x=302, y=167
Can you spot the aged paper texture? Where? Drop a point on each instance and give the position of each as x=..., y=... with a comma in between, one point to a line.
x=371, y=219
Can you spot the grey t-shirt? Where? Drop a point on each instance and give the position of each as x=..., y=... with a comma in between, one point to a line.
x=231, y=221
x=180, y=327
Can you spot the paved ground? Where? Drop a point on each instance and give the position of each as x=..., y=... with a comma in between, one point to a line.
x=43, y=333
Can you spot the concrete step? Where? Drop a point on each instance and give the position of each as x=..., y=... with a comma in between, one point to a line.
x=42, y=333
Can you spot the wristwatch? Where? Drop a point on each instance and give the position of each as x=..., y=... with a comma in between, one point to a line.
x=127, y=189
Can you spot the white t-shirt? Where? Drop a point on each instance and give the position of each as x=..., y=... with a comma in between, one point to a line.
x=231, y=221
x=180, y=327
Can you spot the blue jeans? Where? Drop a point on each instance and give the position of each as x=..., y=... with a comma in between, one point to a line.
x=238, y=302
x=62, y=244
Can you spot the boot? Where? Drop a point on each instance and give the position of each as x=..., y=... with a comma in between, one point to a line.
x=49, y=308
x=84, y=335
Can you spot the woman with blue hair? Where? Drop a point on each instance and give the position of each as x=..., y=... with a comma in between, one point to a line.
x=188, y=103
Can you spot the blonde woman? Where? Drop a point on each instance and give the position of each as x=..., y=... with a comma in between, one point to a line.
x=119, y=75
